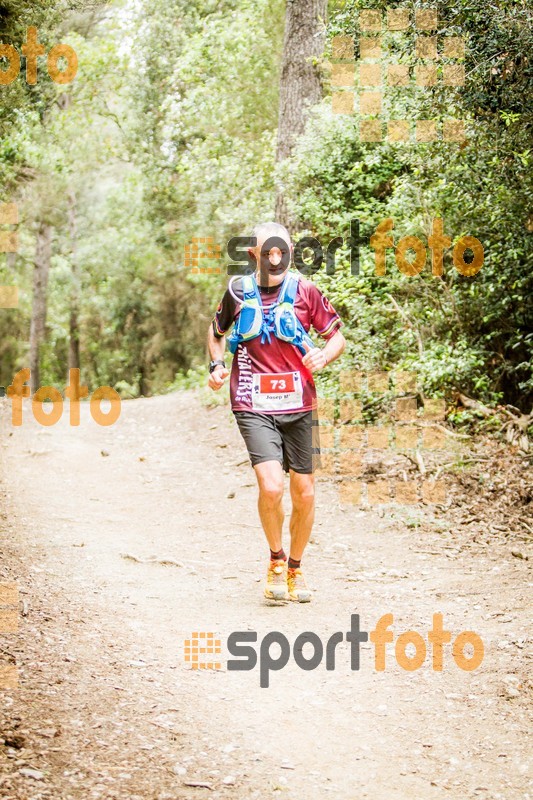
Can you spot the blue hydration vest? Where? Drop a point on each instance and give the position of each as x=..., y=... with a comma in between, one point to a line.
x=280, y=319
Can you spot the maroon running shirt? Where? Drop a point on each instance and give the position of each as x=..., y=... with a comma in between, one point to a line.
x=270, y=378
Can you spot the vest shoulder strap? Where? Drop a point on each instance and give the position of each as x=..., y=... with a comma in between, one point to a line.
x=249, y=289
x=290, y=288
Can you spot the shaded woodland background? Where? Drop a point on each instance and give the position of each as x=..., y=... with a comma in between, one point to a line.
x=200, y=119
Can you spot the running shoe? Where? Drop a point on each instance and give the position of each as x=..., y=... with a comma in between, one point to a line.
x=276, y=582
x=297, y=586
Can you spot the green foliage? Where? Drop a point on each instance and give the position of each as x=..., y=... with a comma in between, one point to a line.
x=457, y=332
x=205, y=94
x=168, y=133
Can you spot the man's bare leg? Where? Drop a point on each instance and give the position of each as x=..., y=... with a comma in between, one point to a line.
x=271, y=484
x=301, y=525
x=270, y=504
x=303, y=512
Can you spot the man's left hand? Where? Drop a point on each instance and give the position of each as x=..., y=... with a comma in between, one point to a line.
x=314, y=359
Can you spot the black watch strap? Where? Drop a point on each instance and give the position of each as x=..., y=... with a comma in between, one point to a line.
x=214, y=364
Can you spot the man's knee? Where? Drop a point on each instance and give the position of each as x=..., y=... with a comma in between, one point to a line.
x=271, y=488
x=303, y=491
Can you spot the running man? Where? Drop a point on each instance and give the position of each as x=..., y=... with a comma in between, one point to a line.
x=272, y=391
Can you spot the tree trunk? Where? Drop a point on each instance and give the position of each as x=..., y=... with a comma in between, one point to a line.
x=74, y=341
x=43, y=251
x=300, y=83
x=144, y=389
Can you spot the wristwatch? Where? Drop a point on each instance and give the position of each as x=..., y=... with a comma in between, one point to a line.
x=214, y=364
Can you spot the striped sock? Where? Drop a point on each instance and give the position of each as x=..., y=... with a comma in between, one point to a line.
x=293, y=563
x=278, y=555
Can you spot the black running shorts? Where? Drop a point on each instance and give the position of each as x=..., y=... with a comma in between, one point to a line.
x=291, y=439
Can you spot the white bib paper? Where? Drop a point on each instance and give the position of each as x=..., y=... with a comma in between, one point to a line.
x=277, y=392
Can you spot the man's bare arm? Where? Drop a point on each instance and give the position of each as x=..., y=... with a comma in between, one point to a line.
x=216, y=346
x=318, y=358
x=216, y=349
x=334, y=347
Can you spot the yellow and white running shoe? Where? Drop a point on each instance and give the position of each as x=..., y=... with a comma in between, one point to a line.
x=276, y=582
x=297, y=586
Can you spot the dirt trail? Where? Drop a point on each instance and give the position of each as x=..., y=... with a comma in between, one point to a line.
x=107, y=706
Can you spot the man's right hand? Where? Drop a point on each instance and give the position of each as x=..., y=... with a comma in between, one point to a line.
x=217, y=378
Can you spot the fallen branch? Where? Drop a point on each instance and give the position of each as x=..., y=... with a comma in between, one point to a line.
x=449, y=432
x=152, y=560
x=420, y=462
x=511, y=411
x=475, y=405
x=198, y=784
x=413, y=327
x=463, y=461
x=417, y=461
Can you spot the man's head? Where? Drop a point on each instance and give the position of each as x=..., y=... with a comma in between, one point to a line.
x=272, y=253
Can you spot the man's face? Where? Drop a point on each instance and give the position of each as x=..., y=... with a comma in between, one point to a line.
x=273, y=258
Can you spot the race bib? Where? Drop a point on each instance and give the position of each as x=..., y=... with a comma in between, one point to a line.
x=277, y=392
